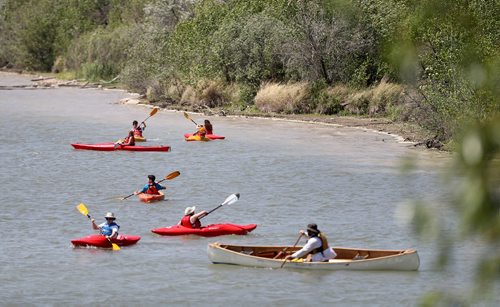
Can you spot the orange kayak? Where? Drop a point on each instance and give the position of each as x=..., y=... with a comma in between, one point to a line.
x=150, y=198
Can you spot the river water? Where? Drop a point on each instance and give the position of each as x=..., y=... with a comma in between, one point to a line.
x=289, y=174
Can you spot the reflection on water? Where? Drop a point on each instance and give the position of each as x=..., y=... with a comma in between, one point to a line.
x=289, y=174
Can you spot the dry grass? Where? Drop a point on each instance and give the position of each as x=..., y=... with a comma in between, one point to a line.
x=281, y=98
x=375, y=101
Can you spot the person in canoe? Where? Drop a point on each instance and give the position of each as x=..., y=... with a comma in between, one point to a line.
x=138, y=129
x=108, y=228
x=192, y=219
x=208, y=127
x=152, y=187
x=128, y=141
x=316, y=248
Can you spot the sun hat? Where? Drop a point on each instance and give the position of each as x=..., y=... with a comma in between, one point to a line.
x=189, y=210
x=110, y=215
x=312, y=229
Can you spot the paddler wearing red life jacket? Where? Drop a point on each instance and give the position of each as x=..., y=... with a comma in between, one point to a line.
x=192, y=219
x=138, y=129
x=316, y=248
x=129, y=140
x=151, y=187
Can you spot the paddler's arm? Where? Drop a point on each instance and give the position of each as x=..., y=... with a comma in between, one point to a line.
x=198, y=216
x=94, y=225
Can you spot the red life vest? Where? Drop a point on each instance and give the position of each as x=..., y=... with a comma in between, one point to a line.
x=126, y=141
x=137, y=131
x=152, y=190
x=186, y=222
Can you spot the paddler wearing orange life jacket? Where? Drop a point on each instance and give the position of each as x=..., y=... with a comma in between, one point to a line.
x=316, y=248
x=151, y=187
x=201, y=131
x=192, y=219
x=137, y=129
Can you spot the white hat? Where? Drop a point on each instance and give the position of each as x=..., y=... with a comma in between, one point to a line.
x=110, y=215
x=189, y=210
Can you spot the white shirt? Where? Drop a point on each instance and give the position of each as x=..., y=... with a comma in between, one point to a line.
x=312, y=244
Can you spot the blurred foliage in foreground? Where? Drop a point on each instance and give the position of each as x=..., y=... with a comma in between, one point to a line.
x=475, y=176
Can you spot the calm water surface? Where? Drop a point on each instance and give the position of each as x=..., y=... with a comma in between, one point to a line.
x=348, y=181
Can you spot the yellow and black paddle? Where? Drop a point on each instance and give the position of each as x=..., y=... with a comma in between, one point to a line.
x=83, y=210
x=188, y=117
x=168, y=177
x=296, y=242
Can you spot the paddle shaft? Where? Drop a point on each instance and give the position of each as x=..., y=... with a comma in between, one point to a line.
x=230, y=200
x=296, y=242
x=153, y=112
x=189, y=117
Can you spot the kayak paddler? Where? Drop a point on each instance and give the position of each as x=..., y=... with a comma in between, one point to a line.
x=151, y=187
x=190, y=219
x=128, y=141
x=108, y=228
x=138, y=129
x=316, y=248
x=201, y=131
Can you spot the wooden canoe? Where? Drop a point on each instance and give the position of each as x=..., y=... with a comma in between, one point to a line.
x=347, y=258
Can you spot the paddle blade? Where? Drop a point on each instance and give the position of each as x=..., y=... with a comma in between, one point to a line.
x=115, y=247
x=172, y=175
x=231, y=199
x=153, y=112
x=83, y=209
x=187, y=116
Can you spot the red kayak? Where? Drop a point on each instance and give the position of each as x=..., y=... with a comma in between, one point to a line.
x=209, y=136
x=206, y=231
x=111, y=147
x=101, y=241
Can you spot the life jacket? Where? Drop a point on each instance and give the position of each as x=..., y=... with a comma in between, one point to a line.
x=137, y=131
x=126, y=141
x=152, y=189
x=107, y=229
x=186, y=222
x=324, y=245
